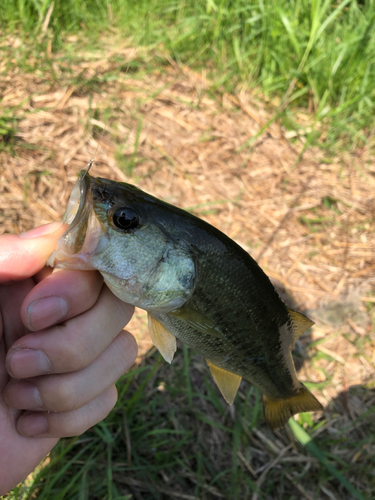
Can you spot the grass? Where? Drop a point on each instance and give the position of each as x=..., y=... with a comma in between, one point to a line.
x=148, y=448
x=304, y=438
x=297, y=54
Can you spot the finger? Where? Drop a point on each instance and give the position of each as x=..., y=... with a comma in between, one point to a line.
x=70, y=391
x=42, y=274
x=60, y=296
x=72, y=345
x=69, y=423
x=11, y=298
x=24, y=255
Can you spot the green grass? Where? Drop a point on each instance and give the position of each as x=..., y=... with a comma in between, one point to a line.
x=315, y=54
x=304, y=438
x=167, y=438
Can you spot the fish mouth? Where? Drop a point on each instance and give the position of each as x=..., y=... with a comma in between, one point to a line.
x=84, y=231
x=77, y=200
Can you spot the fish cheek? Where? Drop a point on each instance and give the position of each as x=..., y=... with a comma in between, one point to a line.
x=172, y=281
x=145, y=268
x=123, y=262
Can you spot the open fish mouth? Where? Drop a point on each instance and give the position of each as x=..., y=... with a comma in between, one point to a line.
x=77, y=200
x=84, y=231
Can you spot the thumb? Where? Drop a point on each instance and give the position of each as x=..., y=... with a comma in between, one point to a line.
x=23, y=255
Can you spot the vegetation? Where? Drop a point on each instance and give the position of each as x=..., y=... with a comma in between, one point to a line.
x=317, y=54
x=171, y=436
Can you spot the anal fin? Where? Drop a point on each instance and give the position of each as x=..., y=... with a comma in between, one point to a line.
x=278, y=411
x=162, y=338
x=227, y=382
x=300, y=323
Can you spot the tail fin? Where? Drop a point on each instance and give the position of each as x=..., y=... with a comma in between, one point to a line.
x=278, y=411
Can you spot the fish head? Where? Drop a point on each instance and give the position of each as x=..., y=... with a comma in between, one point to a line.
x=128, y=236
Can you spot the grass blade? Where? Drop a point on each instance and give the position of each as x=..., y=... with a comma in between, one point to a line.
x=302, y=436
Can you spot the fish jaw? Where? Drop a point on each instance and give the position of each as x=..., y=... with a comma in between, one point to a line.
x=85, y=236
x=83, y=231
x=80, y=240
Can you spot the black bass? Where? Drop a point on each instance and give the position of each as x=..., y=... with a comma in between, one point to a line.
x=196, y=284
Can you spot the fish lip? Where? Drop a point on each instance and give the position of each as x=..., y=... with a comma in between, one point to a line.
x=84, y=184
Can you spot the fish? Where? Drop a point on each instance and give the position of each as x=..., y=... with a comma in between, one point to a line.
x=196, y=284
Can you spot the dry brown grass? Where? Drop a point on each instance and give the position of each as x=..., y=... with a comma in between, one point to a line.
x=310, y=224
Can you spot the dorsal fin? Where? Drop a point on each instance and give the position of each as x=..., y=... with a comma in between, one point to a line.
x=162, y=338
x=227, y=382
x=300, y=323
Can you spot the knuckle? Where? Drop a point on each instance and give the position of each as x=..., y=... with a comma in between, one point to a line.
x=127, y=349
x=94, y=412
x=107, y=406
x=61, y=398
x=81, y=421
x=74, y=353
x=104, y=404
x=127, y=311
x=76, y=422
x=121, y=311
x=84, y=351
x=91, y=284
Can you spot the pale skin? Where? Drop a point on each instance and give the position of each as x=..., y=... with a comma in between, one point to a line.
x=59, y=359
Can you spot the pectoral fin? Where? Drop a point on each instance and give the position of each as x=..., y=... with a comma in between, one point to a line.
x=300, y=323
x=227, y=382
x=197, y=321
x=162, y=338
x=278, y=411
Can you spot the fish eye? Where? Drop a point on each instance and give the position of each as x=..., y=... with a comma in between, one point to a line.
x=126, y=218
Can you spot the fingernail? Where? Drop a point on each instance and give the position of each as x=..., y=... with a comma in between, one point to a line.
x=26, y=363
x=32, y=424
x=42, y=230
x=24, y=395
x=45, y=312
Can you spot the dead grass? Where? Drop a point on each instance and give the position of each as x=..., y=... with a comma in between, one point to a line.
x=308, y=222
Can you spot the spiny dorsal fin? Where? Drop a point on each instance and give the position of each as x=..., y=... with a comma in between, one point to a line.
x=162, y=338
x=197, y=321
x=278, y=411
x=227, y=382
x=300, y=323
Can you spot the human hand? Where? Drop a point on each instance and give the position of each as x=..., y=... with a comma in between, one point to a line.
x=60, y=351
